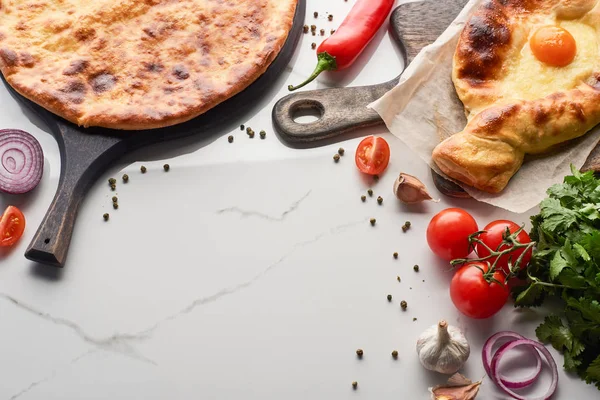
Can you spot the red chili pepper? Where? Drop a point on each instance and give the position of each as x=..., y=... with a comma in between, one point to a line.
x=341, y=49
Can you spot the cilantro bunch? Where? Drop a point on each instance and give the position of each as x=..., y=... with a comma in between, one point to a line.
x=566, y=265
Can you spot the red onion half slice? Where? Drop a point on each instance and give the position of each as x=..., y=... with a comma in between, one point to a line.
x=505, y=348
x=21, y=161
x=486, y=355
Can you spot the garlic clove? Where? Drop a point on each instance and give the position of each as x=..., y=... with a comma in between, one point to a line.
x=457, y=388
x=411, y=190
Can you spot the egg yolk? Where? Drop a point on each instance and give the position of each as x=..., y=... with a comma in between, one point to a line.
x=553, y=45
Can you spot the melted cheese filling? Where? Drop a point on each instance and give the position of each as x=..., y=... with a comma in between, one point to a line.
x=527, y=78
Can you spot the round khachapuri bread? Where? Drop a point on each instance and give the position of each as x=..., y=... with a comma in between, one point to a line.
x=138, y=64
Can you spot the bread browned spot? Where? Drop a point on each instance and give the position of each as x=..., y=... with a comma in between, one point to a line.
x=85, y=34
x=103, y=82
x=76, y=67
x=9, y=57
x=74, y=92
x=181, y=72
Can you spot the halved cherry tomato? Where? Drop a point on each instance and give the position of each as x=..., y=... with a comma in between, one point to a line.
x=372, y=155
x=475, y=296
x=493, y=237
x=448, y=233
x=12, y=225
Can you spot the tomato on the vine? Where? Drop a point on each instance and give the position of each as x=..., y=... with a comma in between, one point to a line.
x=372, y=155
x=493, y=237
x=12, y=226
x=478, y=293
x=448, y=233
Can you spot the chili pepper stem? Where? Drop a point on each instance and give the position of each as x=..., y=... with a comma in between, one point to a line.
x=326, y=62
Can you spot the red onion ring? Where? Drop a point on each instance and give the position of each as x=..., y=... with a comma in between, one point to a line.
x=505, y=348
x=21, y=161
x=486, y=355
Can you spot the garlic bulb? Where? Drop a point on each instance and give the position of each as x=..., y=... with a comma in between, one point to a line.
x=443, y=348
x=411, y=190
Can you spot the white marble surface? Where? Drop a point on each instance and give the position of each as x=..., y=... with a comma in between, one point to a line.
x=250, y=270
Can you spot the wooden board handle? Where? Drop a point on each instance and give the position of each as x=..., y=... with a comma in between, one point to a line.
x=339, y=109
x=83, y=159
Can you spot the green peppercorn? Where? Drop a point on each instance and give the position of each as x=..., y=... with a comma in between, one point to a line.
x=248, y=130
x=106, y=217
x=373, y=221
x=380, y=200
x=370, y=192
x=403, y=305
x=263, y=134
x=416, y=268
x=125, y=178
x=115, y=205
x=166, y=167
x=143, y=169
x=396, y=255
x=354, y=385
x=414, y=319
x=114, y=199
x=389, y=297
x=230, y=139
x=395, y=354
x=336, y=157
x=113, y=187
x=407, y=223
x=112, y=181
x=251, y=135
x=305, y=28
x=314, y=33
x=313, y=28
x=363, y=198
x=398, y=278
x=359, y=353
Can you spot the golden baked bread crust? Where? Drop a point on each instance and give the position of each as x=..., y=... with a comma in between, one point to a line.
x=515, y=105
x=138, y=64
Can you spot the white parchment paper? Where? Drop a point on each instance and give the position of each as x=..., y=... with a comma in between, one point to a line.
x=423, y=109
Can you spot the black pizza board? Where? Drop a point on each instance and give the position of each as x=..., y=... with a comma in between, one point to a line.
x=86, y=154
x=342, y=110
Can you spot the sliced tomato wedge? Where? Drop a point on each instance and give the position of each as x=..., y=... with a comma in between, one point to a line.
x=12, y=226
x=372, y=155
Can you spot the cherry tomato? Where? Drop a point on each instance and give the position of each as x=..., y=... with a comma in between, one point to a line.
x=554, y=46
x=492, y=237
x=473, y=295
x=12, y=225
x=448, y=233
x=372, y=155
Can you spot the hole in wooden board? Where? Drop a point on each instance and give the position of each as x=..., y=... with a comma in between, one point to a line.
x=47, y=240
x=307, y=111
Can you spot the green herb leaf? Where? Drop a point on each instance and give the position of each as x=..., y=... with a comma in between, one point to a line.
x=557, y=265
x=530, y=296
